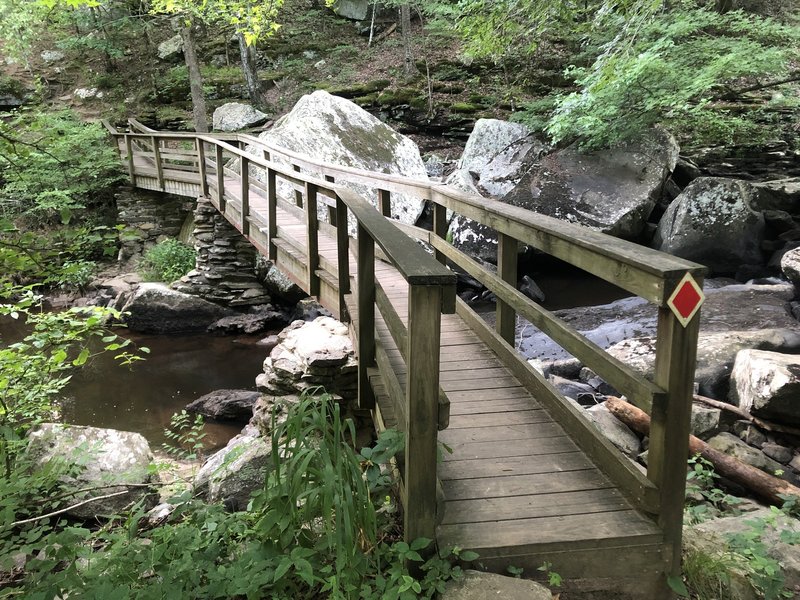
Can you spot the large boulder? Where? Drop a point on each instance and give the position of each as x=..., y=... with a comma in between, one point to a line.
x=778, y=194
x=337, y=131
x=497, y=155
x=767, y=384
x=733, y=446
x=171, y=50
x=233, y=116
x=278, y=284
x=612, y=191
x=232, y=474
x=226, y=405
x=352, y=9
x=311, y=355
x=155, y=308
x=105, y=461
x=712, y=222
x=615, y=430
x=790, y=266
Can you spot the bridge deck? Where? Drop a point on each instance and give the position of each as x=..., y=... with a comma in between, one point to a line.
x=517, y=489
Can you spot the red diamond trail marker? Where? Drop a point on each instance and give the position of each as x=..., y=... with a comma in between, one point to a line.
x=686, y=299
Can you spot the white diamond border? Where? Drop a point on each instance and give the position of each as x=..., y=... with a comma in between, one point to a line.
x=671, y=302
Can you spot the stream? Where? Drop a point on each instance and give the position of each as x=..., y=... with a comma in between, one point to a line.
x=142, y=397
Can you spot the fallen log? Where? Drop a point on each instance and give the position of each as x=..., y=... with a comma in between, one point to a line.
x=765, y=486
x=743, y=414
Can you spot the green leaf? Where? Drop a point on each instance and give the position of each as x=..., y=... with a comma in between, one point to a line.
x=82, y=358
x=678, y=586
x=468, y=555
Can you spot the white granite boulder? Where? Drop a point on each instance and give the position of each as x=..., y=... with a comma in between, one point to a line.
x=106, y=460
x=171, y=49
x=767, y=384
x=234, y=116
x=477, y=585
x=336, y=131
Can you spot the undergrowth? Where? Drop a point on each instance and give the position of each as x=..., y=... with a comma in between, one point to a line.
x=322, y=526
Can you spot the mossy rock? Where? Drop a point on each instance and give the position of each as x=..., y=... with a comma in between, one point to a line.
x=444, y=87
x=398, y=96
x=272, y=75
x=465, y=108
x=368, y=100
x=359, y=89
x=449, y=71
x=419, y=103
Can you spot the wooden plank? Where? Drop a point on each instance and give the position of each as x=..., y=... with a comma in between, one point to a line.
x=422, y=401
x=385, y=203
x=220, y=177
x=342, y=252
x=520, y=465
x=556, y=533
x=463, y=450
x=562, y=504
x=201, y=165
x=520, y=417
x=509, y=433
x=636, y=486
x=523, y=485
x=245, y=196
x=676, y=353
x=157, y=161
x=129, y=152
x=272, y=213
x=439, y=229
x=479, y=384
x=624, y=378
x=491, y=407
x=466, y=396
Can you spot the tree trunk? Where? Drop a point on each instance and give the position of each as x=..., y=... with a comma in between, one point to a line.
x=405, y=32
x=248, y=56
x=762, y=484
x=195, y=77
x=724, y=6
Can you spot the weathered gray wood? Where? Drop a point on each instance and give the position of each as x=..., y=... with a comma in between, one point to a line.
x=506, y=322
x=157, y=160
x=312, y=239
x=637, y=487
x=366, y=315
x=422, y=396
x=520, y=465
x=201, y=164
x=272, y=213
x=298, y=195
x=245, y=196
x=627, y=380
x=439, y=228
x=220, y=167
x=342, y=253
x=385, y=202
x=676, y=353
x=129, y=152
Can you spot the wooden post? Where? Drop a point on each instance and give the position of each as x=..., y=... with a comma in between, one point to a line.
x=507, y=270
x=220, y=178
x=385, y=203
x=131, y=166
x=245, y=179
x=266, y=155
x=422, y=396
x=201, y=164
x=440, y=228
x=298, y=195
x=676, y=353
x=272, y=214
x=366, y=316
x=312, y=239
x=342, y=254
x=332, y=210
x=157, y=160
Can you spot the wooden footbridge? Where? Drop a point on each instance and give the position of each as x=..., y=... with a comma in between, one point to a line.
x=529, y=479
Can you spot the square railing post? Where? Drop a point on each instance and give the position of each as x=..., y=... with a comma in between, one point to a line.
x=366, y=316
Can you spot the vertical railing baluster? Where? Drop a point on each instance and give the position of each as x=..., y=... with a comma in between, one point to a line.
x=670, y=415
x=422, y=410
x=385, y=203
x=506, y=317
x=298, y=195
x=157, y=160
x=219, y=158
x=366, y=316
x=201, y=167
x=131, y=165
x=312, y=239
x=272, y=214
x=331, y=209
x=245, y=179
x=342, y=254
x=440, y=228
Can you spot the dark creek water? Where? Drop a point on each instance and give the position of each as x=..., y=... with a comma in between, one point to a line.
x=144, y=396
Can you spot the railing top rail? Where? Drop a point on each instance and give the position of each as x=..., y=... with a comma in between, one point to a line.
x=643, y=271
x=409, y=258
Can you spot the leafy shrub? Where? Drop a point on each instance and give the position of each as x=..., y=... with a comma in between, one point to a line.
x=167, y=261
x=53, y=164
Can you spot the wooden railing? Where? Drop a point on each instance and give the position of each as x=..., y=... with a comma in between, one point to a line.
x=652, y=275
